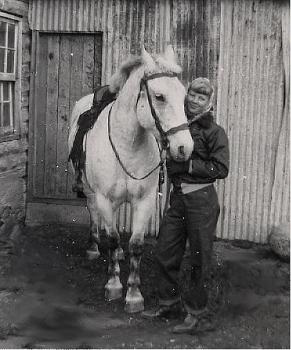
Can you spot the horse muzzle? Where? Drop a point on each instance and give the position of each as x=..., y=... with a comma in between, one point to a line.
x=181, y=146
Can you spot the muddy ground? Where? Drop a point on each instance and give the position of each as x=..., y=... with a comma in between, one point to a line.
x=51, y=296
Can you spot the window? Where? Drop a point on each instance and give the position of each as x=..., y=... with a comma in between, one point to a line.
x=9, y=75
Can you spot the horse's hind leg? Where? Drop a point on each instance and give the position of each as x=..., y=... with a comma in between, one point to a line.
x=141, y=213
x=93, y=251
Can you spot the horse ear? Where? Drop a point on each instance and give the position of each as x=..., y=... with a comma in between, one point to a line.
x=170, y=54
x=147, y=58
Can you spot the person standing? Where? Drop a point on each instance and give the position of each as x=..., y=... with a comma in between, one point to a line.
x=193, y=214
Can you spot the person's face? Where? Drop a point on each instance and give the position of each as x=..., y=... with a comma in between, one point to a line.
x=196, y=101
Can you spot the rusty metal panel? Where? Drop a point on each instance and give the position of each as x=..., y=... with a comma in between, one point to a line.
x=195, y=35
x=250, y=102
x=191, y=26
x=280, y=205
x=65, y=15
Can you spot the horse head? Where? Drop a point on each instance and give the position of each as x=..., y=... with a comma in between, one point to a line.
x=160, y=103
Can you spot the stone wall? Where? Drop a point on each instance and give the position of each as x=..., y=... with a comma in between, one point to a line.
x=13, y=153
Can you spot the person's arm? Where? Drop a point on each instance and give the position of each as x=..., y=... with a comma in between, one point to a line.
x=214, y=167
x=217, y=164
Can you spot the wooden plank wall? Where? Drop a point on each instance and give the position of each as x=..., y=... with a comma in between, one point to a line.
x=59, y=82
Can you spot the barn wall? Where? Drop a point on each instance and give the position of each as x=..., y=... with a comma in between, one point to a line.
x=191, y=26
x=253, y=80
x=13, y=154
x=240, y=46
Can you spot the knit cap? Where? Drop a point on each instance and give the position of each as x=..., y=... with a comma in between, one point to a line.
x=201, y=86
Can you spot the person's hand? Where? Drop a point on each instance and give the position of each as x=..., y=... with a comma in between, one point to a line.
x=174, y=167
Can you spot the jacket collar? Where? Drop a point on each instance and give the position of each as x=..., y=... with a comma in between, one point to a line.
x=204, y=120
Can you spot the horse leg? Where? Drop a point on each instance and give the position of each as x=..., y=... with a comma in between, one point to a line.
x=93, y=251
x=142, y=211
x=113, y=288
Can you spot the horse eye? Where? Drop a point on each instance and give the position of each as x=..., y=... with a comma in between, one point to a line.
x=160, y=97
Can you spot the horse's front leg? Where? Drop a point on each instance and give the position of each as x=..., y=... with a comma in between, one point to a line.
x=93, y=251
x=142, y=210
x=113, y=288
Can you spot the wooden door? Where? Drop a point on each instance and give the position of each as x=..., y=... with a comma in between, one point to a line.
x=67, y=67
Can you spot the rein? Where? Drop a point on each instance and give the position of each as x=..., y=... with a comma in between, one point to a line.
x=164, y=134
x=120, y=161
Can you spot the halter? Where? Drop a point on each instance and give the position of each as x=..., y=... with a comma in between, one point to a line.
x=164, y=134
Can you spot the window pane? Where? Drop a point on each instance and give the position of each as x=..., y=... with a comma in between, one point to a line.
x=6, y=115
x=10, y=61
x=2, y=33
x=2, y=53
x=5, y=91
x=6, y=108
x=11, y=35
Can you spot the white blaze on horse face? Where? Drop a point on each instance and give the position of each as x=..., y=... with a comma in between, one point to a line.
x=168, y=95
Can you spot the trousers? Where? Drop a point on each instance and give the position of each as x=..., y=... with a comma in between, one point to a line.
x=191, y=216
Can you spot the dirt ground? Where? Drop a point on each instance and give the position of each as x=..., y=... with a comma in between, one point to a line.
x=51, y=296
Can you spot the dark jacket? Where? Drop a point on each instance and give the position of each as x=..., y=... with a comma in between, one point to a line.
x=210, y=157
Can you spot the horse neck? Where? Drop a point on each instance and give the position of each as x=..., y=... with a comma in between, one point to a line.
x=124, y=120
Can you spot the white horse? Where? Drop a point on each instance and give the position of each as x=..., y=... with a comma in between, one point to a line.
x=122, y=156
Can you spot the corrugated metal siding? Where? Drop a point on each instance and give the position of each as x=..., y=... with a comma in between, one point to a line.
x=191, y=26
x=280, y=205
x=250, y=102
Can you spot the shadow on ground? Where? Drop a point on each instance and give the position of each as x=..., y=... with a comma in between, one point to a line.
x=51, y=296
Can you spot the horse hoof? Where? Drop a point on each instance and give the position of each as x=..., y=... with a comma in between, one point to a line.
x=134, y=306
x=120, y=253
x=113, y=292
x=93, y=254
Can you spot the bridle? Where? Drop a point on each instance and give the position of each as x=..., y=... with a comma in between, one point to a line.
x=164, y=134
x=171, y=131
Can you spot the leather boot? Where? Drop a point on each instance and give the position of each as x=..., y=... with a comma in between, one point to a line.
x=188, y=326
x=163, y=311
x=195, y=324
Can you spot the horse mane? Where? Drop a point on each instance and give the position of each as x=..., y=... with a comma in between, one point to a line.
x=118, y=79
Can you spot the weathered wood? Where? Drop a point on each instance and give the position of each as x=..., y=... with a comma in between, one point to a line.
x=32, y=119
x=17, y=7
x=88, y=65
x=52, y=61
x=40, y=115
x=40, y=213
x=63, y=116
x=58, y=87
x=76, y=87
x=98, y=60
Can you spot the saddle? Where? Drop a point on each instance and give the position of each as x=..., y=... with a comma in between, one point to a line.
x=102, y=97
